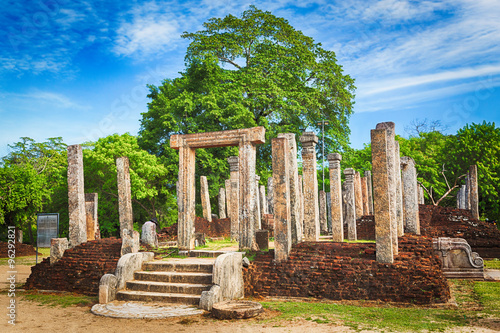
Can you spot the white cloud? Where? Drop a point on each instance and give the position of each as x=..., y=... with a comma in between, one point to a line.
x=47, y=98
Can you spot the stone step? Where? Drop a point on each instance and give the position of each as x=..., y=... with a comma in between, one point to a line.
x=164, y=287
x=174, y=277
x=186, y=265
x=145, y=296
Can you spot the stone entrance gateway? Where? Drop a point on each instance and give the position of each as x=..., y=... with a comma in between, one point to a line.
x=246, y=139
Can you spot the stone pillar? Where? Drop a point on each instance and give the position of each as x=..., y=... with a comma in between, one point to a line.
x=234, y=194
x=263, y=201
x=349, y=183
x=258, y=215
x=467, y=190
x=462, y=196
x=282, y=210
x=368, y=175
x=186, y=198
x=391, y=171
x=329, y=212
x=301, y=202
x=410, y=195
x=358, y=197
x=323, y=222
x=296, y=224
x=227, y=190
x=311, y=202
x=474, y=194
x=124, y=195
x=270, y=197
x=76, y=197
x=246, y=160
x=421, y=198
x=399, y=192
x=57, y=248
x=222, y=203
x=205, y=199
x=381, y=196
x=336, y=197
x=364, y=194
x=93, y=231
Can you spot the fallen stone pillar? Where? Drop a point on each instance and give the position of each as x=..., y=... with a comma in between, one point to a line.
x=93, y=231
x=399, y=192
x=336, y=197
x=368, y=175
x=474, y=195
x=205, y=199
x=381, y=196
x=391, y=171
x=358, y=197
x=296, y=224
x=222, y=203
x=234, y=209
x=76, y=197
x=350, y=204
x=282, y=209
x=311, y=201
x=410, y=195
x=364, y=194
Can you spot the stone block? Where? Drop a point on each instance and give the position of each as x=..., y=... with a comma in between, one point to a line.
x=107, y=288
x=130, y=242
x=228, y=274
x=149, y=235
x=57, y=248
x=210, y=297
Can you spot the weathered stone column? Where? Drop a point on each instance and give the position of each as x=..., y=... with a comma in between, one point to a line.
x=301, y=203
x=186, y=198
x=270, y=197
x=258, y=215
x=322, y=213
x=282, y=209
x=205, y=199
x=234, y=210
x=124, y=195
x=76, y=197
x=410, y=195
x=329, y=212
x=391, y=167
x=227, y=189
x=399, y=192
x=358, y=197
x=368, y=175
x=336, y=197
x=381, y=196
x=295, y=223
x=421, y=198
x=263, y=201
x=93, y=231
x=364, y=194
x=467, y=190
x=474, y=194
x=463, y=188
x=222, y=203
x=247, y=159
x=311, y=201
x=350, y=204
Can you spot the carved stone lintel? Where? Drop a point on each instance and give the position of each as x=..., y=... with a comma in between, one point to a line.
x=458, y=260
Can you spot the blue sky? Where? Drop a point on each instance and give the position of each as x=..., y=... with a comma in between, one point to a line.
x=79, y=69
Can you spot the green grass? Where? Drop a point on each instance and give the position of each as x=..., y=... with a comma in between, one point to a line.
x=492, y=263
x=63, y=299
x=217, y=244
x=489, y=296
x=28, y=260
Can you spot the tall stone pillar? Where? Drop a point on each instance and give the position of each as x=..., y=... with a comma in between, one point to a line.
x=76, y=197
x=368, y=175
x=222, y=203
x=391, y=167
x=329, y=212
x=247, y=160
x=282, y=209
x=336, y=197
x=322, y=213
x=263, y=201
x=467, y=190
x=126, y=216
x=461, y=192
x=205, y=199
x=421, y=198
x=358, y=197
x=311, y=201
x=301, y=202
x=93, y=231
x=364, y=193
x=258, y=219
x=474, y=194
x=296, y=225
x=410, y=195
x=399, y=192
x=270, y=196
x=186, y=198
x=234, y=195
x=350, y=203
x=381, y=196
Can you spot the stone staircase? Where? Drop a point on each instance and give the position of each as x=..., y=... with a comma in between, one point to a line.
x=172, y=281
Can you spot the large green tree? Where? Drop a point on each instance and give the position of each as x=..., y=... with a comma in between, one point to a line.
x=253, y=70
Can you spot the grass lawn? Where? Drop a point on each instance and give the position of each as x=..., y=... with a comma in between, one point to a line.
x=28, y=260
x=492, y=263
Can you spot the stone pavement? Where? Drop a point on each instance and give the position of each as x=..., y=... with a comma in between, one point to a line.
x=492, y=274
x=140, y=310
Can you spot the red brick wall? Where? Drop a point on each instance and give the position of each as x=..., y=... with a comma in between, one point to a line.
x=349, y=271
x=216, y=228
x=79, y=270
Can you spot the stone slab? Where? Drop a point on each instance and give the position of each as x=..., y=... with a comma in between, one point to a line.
x=140, y=310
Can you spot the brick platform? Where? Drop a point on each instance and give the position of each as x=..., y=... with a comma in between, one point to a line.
x=349, y=271
x=79, y=270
